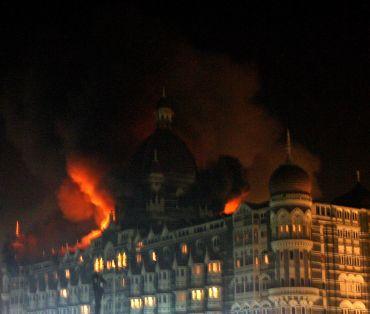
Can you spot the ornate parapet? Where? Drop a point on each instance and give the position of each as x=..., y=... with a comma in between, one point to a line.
x=304, y=296
x=292, y=244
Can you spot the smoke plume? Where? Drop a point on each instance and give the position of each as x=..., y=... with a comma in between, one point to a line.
x=102, y=105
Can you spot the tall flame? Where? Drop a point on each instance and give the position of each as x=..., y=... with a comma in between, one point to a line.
x=233, y=204
x=83, y=196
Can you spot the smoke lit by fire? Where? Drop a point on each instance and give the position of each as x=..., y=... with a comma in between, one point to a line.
x=233, y=204
x=82, y=196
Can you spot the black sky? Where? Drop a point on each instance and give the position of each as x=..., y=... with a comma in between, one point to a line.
x=85, y=77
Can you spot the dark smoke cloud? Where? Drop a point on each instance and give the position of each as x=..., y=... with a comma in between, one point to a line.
x=97, y=98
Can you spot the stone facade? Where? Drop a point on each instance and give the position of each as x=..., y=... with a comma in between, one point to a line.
x=290, y=255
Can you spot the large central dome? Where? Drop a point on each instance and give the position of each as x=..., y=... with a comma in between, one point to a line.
x=169, y=150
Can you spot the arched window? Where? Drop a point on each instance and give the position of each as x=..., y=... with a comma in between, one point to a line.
x=184, y=248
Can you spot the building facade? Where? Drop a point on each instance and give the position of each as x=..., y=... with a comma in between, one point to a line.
x=289, y=255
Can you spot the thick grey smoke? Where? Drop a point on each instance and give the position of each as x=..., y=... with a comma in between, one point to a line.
x=104, y=110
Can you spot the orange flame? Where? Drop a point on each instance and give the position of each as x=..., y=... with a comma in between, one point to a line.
x=233, y=204
x=17, y=229
x=82, y=197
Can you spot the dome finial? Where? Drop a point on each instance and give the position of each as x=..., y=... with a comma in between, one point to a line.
x=288, y=146
x=164, y=113
x=358, y=176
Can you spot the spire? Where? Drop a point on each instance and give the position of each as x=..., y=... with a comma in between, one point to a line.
x=288, y=146
x=358, y=176
x=164, y=113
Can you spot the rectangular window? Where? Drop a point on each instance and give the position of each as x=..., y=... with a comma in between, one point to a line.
x=85, y=309
x=181, y=296
x=136, y=303
x=214, y=292
x=150, y=301
x=197, y=269
x=214, y=267
x=197, y=294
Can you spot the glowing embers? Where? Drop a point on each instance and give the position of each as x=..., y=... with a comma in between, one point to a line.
x=122, y=260
x=98, y=264
x=136, y=303
x=85, y=309
x=214, y=292
x=63, y=293
x=150, y=301
x=214, y=267
x=197, y=294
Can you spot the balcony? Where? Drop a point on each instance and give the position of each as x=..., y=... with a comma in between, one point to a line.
x=312, y=294
x=292, y=244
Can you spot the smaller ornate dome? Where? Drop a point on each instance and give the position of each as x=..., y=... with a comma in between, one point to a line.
x=290, y=178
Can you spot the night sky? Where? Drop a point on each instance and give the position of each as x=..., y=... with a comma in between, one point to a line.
x=80, y=78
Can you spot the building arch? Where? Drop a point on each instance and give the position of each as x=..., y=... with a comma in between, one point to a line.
x=109, y=251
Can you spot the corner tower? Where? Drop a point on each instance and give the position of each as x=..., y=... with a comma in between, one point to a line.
x=290, y=216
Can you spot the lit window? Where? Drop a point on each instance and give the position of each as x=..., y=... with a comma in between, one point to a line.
x=214, y=292
x=68, y=274
x=85, y=309
x=197, y=269
x=299, y=228
x=122, y=260
x=139, y=245
x=181, y=296
x=101, y=264
x=136, y=303
x=184, y=248
x=123, y=282
x=266, y=259
x=98, y=265
x=81, y=259
x=64, y=293
x=153, y=256
x=138, y=258
x=294, y=228
x=149, y=301
x=286, y=228
x=214, y=267
x=197, y=294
